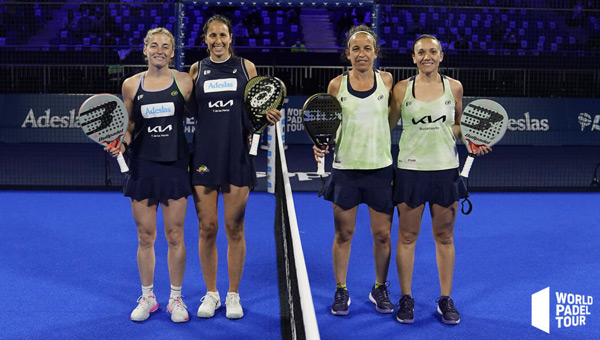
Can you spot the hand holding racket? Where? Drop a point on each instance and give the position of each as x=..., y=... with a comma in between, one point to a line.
x=104, y=118
x=483, y=124
x=261, y=95
x=321, y=116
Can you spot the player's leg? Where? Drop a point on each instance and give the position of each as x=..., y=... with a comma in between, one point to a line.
x=409, y=220
x=235, y=199
x=144, y=216
x=443, y=219
x=174, y=217
x=344, y=224
x=381, y=225
x=205, y=202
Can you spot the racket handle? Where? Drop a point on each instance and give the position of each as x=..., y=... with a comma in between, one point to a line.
x=467, y=167
x=122, y=163
x=321, y=166
x=254, y=145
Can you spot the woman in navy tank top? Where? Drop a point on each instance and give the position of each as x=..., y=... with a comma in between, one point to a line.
x=158, y=158
x=220, y=161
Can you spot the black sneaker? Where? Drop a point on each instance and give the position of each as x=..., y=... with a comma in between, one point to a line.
x=406, y=309
x=379, y=296
x=450, y=315
x=341, y=302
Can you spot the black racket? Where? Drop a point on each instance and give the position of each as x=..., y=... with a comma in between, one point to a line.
x=321, y=116
x=483, y=123
x=104, y=118
x=261, y=95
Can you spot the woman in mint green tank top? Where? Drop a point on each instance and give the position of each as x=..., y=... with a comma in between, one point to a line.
x=362, y=166
x=430, y=106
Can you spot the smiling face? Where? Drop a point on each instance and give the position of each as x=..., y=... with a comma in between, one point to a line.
x=218, y=40
x=159, y=50
x=427, y=55
x=361, y=51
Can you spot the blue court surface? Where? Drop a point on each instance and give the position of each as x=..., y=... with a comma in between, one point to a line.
x=68, y=270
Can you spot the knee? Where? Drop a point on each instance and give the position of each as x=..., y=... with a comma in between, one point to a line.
x=407, y=237
x=382, y=237
x=235, y=231
x=208, y=229
x=175, y=236
x=444, y=237
x=343, y=236
x=146, y=238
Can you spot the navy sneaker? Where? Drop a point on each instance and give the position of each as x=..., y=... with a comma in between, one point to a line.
x=406, y=309
x=450, y=315
x=341, y=302
x=379, y=296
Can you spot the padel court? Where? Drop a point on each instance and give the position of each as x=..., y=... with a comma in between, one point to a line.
x=69, y=272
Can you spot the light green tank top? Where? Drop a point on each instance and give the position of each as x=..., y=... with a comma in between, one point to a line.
x=427, y=141
x=363, y=139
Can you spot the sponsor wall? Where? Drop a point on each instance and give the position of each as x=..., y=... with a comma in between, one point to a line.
x=52, y=118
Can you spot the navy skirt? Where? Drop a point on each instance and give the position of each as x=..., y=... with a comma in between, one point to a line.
x=157, y=180
x=417, y=187
x=349, y=188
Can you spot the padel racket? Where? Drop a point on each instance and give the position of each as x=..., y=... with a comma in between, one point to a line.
x=262, y=93
x=483, y=123
x=321, y=116
x=104, y=118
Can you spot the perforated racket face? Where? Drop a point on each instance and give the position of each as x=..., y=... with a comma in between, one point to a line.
x=103, y=118
x=321, y=116
x=261, y=95
x=483, y=122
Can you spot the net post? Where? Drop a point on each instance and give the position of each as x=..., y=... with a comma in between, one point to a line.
x=375, y=13
x=271, y=159
x=180, y=37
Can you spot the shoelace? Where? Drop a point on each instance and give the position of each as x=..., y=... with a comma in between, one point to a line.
x=448, y=305
x=233, y=299
x=383, y=294
x=142, y=300
x=178, y=303
x=406, y=303
x=212, y=299
x=341, y=296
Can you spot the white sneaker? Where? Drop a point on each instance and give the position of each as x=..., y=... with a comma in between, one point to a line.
x=234, y=306
x=210, y=302
x=146, y=305
x=178, y=310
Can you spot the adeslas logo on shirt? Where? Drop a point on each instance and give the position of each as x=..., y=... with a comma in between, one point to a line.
x=220, y=85
x=158, y=110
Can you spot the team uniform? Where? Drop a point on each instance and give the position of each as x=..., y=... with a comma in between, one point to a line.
x=362, y=164
x=220, y=155
x=427, y=157
x=158, y=151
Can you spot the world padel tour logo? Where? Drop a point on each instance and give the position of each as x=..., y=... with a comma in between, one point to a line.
x=570, y=310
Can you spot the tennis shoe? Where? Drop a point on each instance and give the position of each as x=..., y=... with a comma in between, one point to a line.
x=146, y=305
x=178, y=310
x=380, y=297
x=450, y=315
x=406, y=310
x=233, y=306
x=210, y=302
x=341, y=302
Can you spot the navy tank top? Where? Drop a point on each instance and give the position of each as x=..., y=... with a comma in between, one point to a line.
x=220, y=154
x=159, y=134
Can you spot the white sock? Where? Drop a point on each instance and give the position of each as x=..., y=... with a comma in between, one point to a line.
x=175, y=291
x=147, y=290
